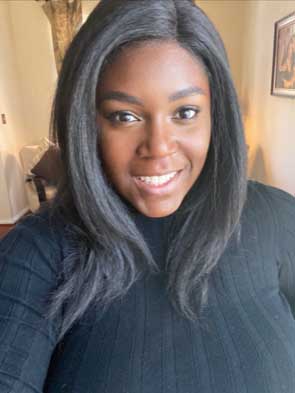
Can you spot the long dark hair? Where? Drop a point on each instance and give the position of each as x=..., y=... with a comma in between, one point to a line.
x=108, y=253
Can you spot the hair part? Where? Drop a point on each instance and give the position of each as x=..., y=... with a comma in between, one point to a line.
x=106, y=252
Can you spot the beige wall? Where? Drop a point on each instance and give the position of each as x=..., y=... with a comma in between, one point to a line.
x=269, y=120
x=230, y=19
x=13, y=202
x=88, y=6
x=35, y=64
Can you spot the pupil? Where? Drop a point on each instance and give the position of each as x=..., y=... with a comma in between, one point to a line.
x=187, y=111
x=124, y=116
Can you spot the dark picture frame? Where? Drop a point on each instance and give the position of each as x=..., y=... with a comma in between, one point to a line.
x=283, y=68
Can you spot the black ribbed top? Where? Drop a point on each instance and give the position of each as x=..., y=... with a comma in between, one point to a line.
x=141, y=345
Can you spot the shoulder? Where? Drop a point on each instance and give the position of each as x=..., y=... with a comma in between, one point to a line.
x=273, y=201
x=37, y=236
x=29, y=275
x=270, y=212
x=256, y=188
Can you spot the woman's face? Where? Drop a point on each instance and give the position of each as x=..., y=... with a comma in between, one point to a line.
x=153, y=116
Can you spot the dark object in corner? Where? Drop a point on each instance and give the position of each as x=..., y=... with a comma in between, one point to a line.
x=49, y=166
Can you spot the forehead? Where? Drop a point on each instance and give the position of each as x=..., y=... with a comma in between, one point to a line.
x=154, y=64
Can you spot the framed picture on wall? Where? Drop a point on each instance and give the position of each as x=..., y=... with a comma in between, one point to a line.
x=283, y=69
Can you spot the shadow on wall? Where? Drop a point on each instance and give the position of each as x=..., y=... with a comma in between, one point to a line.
x=14, y=177
x=257, y=168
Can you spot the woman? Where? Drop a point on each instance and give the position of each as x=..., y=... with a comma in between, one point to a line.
x=158, y=267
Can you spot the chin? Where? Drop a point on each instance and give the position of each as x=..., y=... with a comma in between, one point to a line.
x=159, y=211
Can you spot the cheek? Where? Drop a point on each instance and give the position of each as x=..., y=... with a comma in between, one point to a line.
x=204, y=144
x=199, y=141
x=115, y=155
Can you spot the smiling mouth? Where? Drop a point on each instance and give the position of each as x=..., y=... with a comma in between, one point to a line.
x=158, y=185
x=157, y=179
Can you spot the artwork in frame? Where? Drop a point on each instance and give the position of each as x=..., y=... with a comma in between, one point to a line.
x=283, y=70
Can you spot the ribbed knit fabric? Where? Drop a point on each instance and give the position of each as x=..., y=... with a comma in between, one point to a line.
x=141, y=345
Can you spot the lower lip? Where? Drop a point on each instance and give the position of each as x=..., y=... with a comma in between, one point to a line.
x=160, y=189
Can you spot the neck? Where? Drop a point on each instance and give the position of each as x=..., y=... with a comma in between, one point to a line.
x=155, y=231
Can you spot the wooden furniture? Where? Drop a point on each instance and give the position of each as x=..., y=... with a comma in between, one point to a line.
x=37, y=189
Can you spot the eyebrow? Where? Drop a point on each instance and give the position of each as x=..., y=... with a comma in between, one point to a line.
x=123, y=97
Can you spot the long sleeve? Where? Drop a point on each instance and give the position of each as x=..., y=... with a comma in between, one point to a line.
x=28, y=274
x=283, y=208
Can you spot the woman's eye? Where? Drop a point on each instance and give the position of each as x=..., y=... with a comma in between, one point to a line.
x=187, y=113
x=123, y=117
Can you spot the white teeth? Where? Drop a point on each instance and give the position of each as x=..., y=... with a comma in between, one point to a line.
x=157, y=180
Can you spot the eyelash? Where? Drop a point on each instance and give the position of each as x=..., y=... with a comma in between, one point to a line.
x=112, y=116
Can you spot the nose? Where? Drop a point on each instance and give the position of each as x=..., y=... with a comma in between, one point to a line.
x=158, y=140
